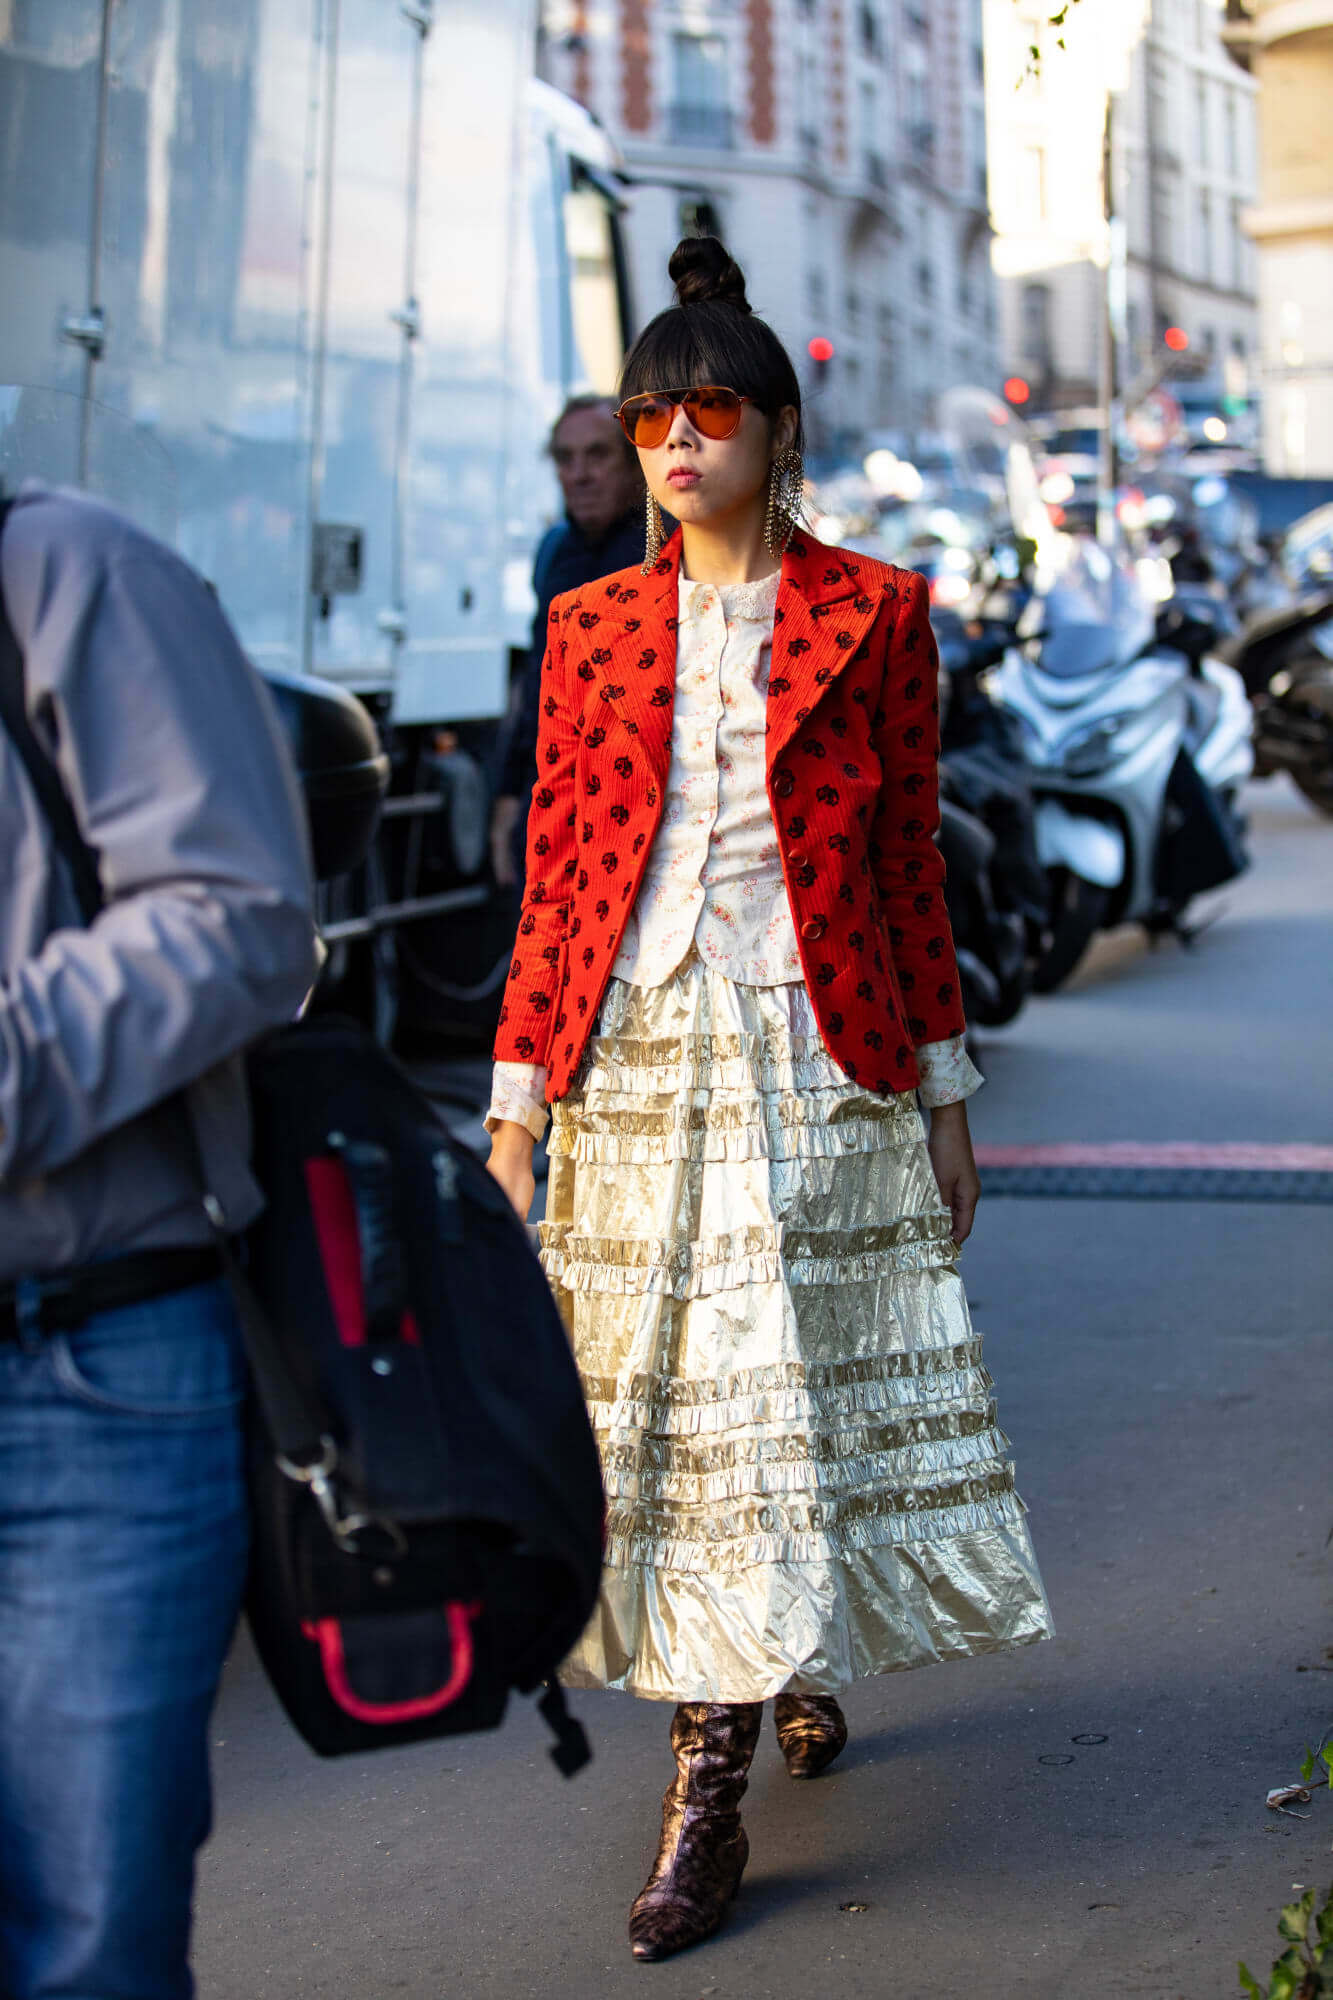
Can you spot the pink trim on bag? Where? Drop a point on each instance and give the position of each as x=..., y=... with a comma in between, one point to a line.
x=408, y=1331
x=327, y=1635
x=334, y=1210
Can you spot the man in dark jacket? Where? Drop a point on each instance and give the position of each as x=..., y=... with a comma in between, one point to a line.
x=603, y=530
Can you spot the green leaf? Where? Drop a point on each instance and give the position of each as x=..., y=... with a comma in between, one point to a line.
x=1248, y=1981
x=1324, y=1923
x=1307, y=1766
x=1295, y=1918
x=1284, y=1980
x=1326, y=1758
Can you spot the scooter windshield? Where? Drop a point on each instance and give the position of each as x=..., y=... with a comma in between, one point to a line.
x=1094, y=620
x=1075, y=650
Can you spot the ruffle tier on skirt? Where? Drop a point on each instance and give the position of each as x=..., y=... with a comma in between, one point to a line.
x=805, y=1479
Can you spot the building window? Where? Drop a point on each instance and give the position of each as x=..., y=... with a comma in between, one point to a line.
x=699, y=217
x=1201, y=120
x=976, y=122
x=1205, y=235
x=1239, y=274
x=1032, y=184
x=1231, y=150
x=700, y=112
x=873, y=162
x=1036, y=328
x=1163, y=221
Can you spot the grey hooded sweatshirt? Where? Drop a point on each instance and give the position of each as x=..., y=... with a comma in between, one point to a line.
x=174, y=761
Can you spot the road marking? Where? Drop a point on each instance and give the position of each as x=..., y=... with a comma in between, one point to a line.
x=1164, y=1170
x=1232, y=1153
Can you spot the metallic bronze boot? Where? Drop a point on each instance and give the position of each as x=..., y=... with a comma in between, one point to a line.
x=703, y=1849
x=812, y=1731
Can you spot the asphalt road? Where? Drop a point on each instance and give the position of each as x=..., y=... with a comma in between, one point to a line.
x=1084, y=1819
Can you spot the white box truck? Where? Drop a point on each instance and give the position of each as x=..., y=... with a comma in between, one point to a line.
x=342, y=261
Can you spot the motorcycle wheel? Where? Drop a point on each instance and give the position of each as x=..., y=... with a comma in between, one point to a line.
x=1010, y=1003
x=1317, y=785
x=1078, y=909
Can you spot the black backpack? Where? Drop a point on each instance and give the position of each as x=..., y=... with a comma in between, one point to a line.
x=426, y=1489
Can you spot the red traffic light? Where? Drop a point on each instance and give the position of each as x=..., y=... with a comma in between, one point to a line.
x=820, y=349
x=1016, y=389
x=1176, y=339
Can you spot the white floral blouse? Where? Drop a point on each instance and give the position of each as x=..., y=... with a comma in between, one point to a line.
x=714, y=874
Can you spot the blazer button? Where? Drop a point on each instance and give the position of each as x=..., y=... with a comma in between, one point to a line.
x=797, y=860
x=814, y=928
x=784, y=785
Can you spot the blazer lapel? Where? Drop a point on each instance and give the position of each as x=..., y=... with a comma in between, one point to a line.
x=823, y=614
x=623, y=641
x=624, y=644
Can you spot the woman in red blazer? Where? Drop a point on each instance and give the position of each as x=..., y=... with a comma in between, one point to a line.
x=733, y=975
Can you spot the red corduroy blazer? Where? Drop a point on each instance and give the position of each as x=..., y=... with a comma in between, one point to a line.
x=852, y=743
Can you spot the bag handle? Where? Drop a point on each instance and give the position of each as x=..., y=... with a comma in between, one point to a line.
x=296, y=1427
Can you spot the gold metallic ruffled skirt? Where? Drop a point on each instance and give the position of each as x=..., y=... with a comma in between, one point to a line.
x=805, y=1480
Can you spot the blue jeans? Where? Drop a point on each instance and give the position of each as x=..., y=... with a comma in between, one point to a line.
x=123, y=1541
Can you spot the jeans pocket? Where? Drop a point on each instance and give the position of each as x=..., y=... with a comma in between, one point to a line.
x=177, y=1358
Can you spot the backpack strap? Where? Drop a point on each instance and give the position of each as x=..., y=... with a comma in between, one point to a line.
x=43, y=776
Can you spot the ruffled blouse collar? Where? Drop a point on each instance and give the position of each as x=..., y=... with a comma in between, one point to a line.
x=751, y=601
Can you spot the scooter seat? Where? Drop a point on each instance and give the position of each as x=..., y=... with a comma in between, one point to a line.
x=1203, y=700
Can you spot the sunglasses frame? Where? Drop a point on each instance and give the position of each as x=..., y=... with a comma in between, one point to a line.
x=677, y=398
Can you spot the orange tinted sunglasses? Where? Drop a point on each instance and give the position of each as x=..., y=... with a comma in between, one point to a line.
x=646, y=420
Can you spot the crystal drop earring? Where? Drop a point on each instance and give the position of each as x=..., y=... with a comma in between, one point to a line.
x=655, y=533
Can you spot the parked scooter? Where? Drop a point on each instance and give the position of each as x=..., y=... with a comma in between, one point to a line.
x=995, y=888
x=1137, y=753
x=1285, y=659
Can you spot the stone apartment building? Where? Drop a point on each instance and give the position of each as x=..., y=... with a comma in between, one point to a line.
x=1288, y=47
x=839, y=149
x=1184, y=165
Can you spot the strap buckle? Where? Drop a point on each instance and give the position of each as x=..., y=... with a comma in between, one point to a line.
x=345, y=1528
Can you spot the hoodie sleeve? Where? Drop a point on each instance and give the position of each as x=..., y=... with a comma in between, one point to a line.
x=178, y=774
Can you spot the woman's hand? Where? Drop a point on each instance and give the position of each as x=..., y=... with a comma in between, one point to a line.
x=950, y=1149
x=510, y=1163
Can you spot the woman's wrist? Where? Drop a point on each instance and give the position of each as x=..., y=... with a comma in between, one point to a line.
x=507, y=1136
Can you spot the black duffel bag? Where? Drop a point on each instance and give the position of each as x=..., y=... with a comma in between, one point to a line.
x=427, y=1490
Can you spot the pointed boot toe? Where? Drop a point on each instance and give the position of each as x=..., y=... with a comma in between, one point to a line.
x=812, y=1731
x=660, y=1926
x=703, y=1849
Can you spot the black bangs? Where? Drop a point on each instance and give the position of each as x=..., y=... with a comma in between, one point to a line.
x=688, y=346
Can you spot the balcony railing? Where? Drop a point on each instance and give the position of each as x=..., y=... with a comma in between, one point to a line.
x=706, y=125
x=876, y=170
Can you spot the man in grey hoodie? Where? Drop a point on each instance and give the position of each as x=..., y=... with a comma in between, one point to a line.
x=122, y=1507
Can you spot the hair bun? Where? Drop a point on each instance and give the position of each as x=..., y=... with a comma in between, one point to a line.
x=704, y=274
